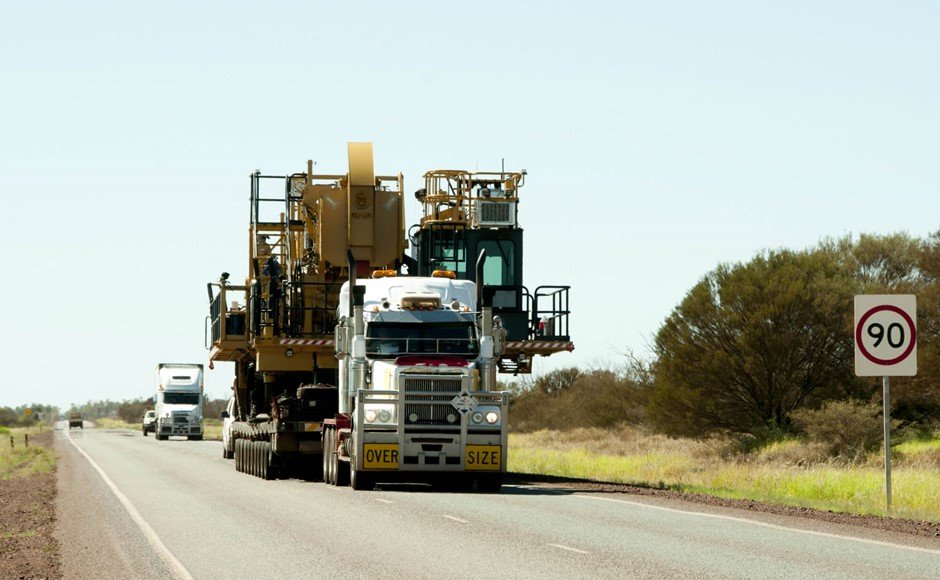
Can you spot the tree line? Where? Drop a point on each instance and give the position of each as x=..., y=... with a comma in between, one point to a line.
x=755, y=346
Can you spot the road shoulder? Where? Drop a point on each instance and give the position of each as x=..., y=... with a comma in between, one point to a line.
x=98, y=538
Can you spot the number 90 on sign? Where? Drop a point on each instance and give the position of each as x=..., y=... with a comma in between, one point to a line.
x=885, y=335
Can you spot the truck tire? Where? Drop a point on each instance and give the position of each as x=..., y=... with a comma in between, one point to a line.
x=340, y=468
x=145, y=431
x=194, y=437
x=358, y=479
x=327, y=464
x=252, y=458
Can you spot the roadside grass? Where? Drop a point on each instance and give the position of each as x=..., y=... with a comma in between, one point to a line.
x=212, y=429
x=791, y=472
x=20, y=460
x=105, y=423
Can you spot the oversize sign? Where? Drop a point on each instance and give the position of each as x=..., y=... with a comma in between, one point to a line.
x=885, y=335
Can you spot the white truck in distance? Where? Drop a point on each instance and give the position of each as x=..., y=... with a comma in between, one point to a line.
x=179, y=401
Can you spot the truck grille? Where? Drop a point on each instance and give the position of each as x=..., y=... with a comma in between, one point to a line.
x=440, y=391
x=180, y=418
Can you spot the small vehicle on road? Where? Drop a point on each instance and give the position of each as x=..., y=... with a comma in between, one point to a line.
x=150, y=422
x=75, y=420
x=228, y=418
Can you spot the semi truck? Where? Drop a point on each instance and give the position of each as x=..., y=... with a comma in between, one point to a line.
x=370, y=364
x=179, y=401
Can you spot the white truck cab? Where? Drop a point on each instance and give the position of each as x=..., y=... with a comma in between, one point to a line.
x=417, y=379
x=179, y=401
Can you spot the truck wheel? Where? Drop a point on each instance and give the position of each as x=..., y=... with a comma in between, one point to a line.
x=340, y=468
x=252, y=458
x=195, y=437
x=145, y=431
x=358, y=479
x=226, y=454
x=490, y=483
x=326, y=456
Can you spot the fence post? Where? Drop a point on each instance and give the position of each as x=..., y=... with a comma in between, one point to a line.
x=26, y=440
x=11, y=442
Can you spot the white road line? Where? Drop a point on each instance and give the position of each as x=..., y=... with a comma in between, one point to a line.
x=569, y=548
x=456, y=519
x=763, y=524
x=176, y=567
x=379, y=499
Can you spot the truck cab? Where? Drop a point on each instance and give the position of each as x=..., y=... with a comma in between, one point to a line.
x=75, y=420
x=417, y=382
x=179, y=401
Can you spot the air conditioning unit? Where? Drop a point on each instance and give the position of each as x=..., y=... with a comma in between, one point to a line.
x=494, y=214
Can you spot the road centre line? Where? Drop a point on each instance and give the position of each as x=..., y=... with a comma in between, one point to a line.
x=762, y=524
x=569, y=548
x=456, y=519
x=175, y=566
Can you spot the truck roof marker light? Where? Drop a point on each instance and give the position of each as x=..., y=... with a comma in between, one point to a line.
x=384, y=274
x=444, y=274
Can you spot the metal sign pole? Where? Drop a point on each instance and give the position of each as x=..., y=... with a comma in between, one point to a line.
x=887, y=415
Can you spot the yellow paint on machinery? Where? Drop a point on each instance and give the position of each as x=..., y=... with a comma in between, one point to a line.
x=297, y=263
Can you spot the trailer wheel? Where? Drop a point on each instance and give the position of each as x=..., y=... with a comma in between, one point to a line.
x=253, y=457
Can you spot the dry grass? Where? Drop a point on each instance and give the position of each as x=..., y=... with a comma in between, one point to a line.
x=20, y=460
x=788, y=472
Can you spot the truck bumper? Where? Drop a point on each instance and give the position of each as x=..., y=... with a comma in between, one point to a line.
x=180, y=429
x=432, y=453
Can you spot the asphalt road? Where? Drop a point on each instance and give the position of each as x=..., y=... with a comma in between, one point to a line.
x=177, y=509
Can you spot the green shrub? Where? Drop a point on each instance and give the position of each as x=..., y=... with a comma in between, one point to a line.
x=848, y=428
x=569, y=399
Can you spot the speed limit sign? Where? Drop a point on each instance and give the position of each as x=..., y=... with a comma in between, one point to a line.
x=886, y=335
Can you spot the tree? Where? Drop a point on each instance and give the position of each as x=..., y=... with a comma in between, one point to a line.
x=750, y=343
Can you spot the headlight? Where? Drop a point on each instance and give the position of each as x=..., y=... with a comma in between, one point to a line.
x=486, y=416
x=382, y=414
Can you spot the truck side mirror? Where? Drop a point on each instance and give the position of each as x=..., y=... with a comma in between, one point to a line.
x=224, y=414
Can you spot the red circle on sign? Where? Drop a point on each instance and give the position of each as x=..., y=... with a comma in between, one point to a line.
x=870, y=356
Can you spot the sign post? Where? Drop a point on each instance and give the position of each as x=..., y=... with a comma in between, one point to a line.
x=886, y=346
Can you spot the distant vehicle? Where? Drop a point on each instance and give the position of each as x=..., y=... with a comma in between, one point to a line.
x=228, y=419
x=179, y=401
x=150, y=422
x=75, y=420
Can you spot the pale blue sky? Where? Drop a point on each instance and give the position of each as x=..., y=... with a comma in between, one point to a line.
x=660, y=138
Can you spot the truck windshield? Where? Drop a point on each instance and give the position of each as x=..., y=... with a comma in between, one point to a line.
x=181, y=398
x=391, y=339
